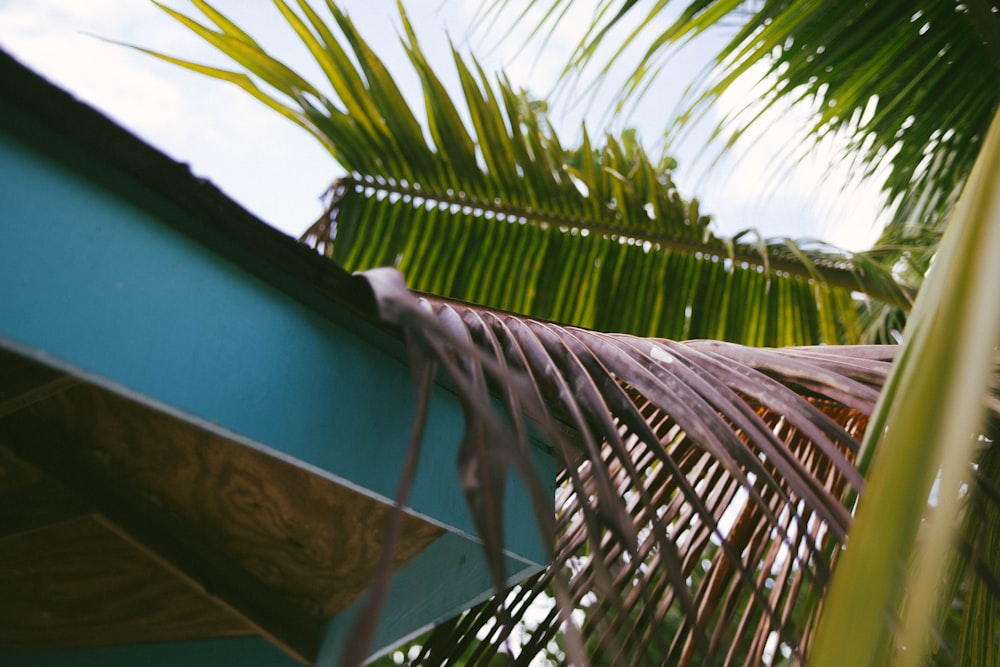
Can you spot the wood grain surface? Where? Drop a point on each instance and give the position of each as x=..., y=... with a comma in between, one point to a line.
x=76, y=584
x=314, y=541
x=98, y=492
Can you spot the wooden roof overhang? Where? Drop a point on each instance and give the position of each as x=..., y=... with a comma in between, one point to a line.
x=200, y=420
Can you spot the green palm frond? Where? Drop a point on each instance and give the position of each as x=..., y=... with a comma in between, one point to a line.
x=929, y=438
x=909, y=84
x=970, y=634
x=907, y=250
x=595, y=236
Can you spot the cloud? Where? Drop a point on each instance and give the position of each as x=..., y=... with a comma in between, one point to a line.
x=781, y=183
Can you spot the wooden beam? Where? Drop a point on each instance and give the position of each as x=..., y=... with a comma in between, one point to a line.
x=38, y=393
x=443, y=581
x=28, y=500
x=165, y=539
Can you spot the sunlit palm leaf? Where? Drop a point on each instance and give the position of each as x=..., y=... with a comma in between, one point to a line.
x=595, y=236
x=905, y=82
x=927, y=441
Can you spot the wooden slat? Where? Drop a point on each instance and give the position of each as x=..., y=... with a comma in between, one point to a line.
x=24, y=382
x=36, y=506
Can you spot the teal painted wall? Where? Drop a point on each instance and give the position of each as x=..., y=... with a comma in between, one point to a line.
x=95, y=284
x=94, y=281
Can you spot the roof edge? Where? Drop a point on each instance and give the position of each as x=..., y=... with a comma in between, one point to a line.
x=221, y=223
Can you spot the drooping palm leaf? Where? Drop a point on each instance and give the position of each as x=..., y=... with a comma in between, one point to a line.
x=730, y=466
x=596, y=236
x=674, y=437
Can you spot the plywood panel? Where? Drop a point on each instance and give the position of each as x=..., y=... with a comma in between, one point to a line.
x=76, y=584
x=28, y=500
x=314, y=541
x=122, y=523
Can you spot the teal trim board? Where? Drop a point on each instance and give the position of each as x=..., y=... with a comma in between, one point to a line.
x=235, y=652
x=107, y=278
x=415, y=594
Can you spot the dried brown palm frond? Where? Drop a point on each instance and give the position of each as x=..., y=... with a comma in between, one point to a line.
x=701, y=502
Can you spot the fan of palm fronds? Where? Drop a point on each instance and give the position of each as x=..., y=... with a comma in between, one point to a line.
x=707, y=488
x=702, y=500
x=596, y=235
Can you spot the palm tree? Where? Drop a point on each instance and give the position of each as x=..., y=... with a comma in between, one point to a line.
x=707, y=487
x=911, y=85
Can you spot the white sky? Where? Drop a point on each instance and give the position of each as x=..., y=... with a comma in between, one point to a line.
x=279, y=172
